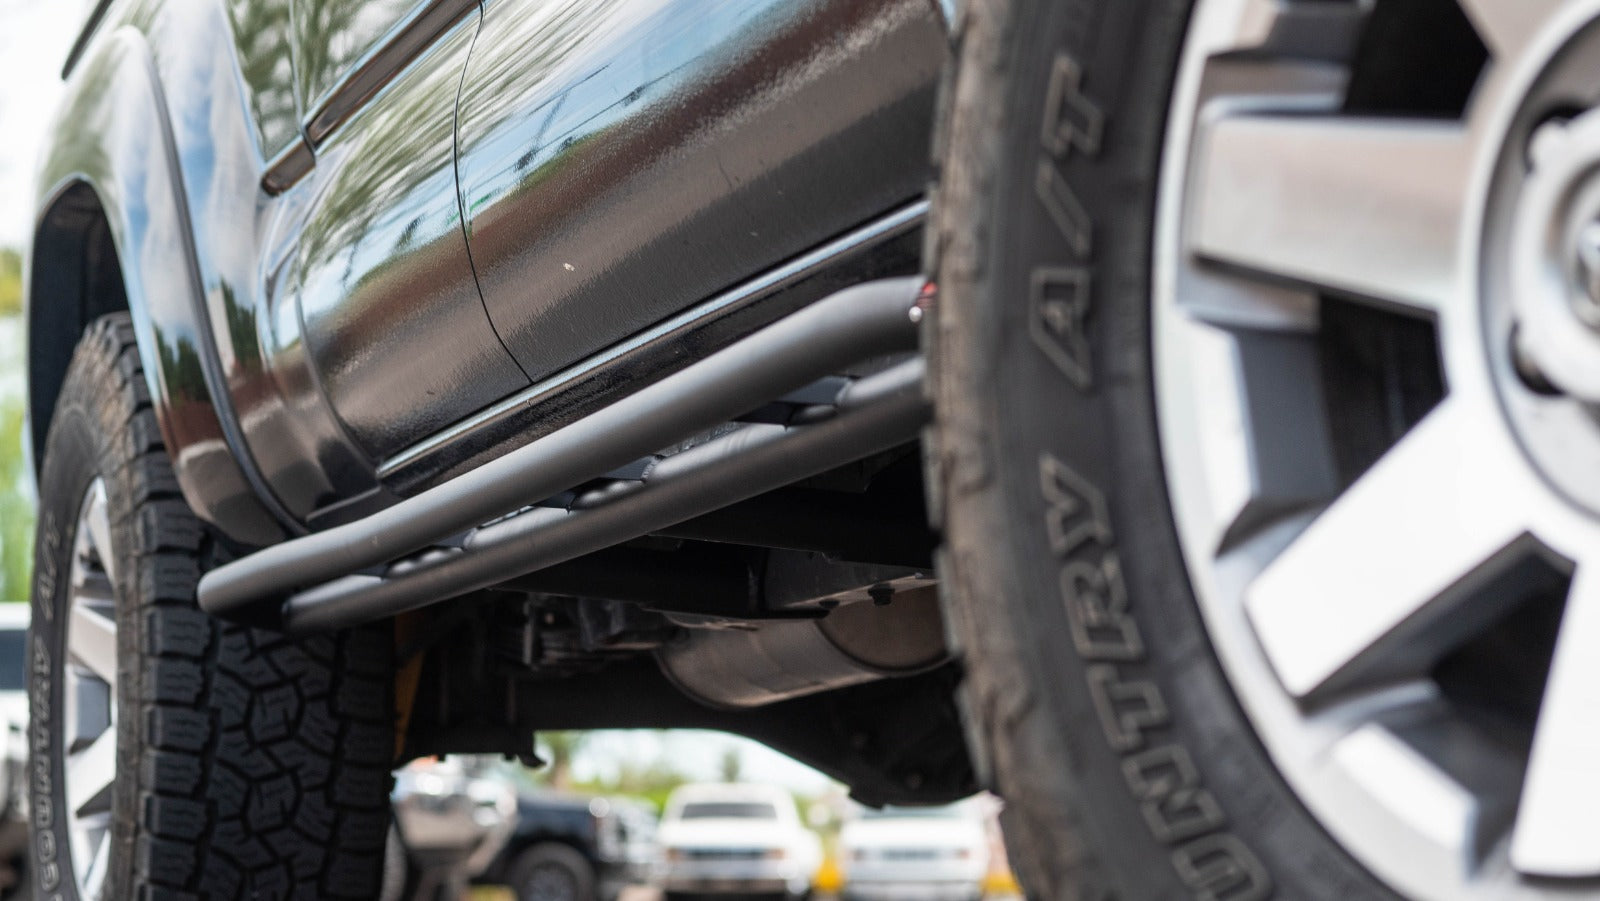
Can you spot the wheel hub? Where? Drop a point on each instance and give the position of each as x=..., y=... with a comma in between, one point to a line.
x=1541, y=292
x=1556, y=255
x=1370, y=600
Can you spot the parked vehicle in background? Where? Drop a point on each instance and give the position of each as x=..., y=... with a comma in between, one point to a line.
x=569, y=848
x=915, y=854
x=453, y=817
x=735, y=838
x=13, y=750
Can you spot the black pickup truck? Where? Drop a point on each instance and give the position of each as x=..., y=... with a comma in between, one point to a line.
x=572, y=848
x=1177, y=416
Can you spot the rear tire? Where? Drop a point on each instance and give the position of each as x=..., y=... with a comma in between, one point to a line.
x=1098, y=707
x=246, y=765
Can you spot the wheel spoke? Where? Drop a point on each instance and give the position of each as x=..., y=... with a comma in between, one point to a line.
x=1371, y=207
x=92, y=639
x=1384, y=765
x=94, y=876
x=1507, y=26
x=1391, y=556
x=98, y=520
x=1306, y=30
x=1262, y=437
x=1554, y=835
x=90, y=773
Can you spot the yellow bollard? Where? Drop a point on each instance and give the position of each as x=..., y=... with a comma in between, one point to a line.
x=1000, y=883
x=829, y=879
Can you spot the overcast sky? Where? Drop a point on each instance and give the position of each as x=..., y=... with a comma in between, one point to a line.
x=34, y=37
x=695, y=754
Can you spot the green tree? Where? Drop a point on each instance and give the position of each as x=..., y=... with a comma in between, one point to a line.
x=558, y=748
x=16, y=506
x=10, y=282
x=649, y=781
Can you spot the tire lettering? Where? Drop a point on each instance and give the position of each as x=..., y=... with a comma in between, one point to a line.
x=1097, y=610
x=1073, y=128
x=1072, y=121
x=1057, y=321
x=1178, y=810
x=1175, y=807
x=1127, y=709
x=42, y=781
x=1065, y=209
x=1075, y=511
x=1220, y=868
x=45, y=584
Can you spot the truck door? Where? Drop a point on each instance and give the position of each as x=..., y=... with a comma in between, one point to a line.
x=393, y=324
x=622, y=160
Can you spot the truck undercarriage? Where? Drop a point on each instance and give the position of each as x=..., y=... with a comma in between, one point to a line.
x=754, y=522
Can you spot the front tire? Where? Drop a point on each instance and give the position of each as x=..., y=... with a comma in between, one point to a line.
x=1098, y=708
x=174, y=755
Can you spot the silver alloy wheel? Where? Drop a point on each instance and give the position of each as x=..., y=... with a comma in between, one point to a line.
x=1331, y=601
x=90, y=680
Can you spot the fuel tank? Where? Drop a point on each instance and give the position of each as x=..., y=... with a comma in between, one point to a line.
x=620, y=160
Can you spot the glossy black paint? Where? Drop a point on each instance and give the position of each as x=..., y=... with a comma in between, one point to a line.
x=116, y=161
x=390, y=311
x=266, y=66
x=887, y=247
x=359, y=77
x=303, y=340
x=332, y=38
x=621, y=160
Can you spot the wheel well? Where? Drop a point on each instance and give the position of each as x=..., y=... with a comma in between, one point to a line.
x=74, y=278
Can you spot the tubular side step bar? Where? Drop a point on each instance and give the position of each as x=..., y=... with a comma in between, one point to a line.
x=876, y=414
x=311, y=583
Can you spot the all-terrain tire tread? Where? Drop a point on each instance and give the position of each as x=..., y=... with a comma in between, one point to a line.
x=265, y=769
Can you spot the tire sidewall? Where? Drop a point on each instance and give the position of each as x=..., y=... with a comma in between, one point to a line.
x=1060, y=546
x=74, y=457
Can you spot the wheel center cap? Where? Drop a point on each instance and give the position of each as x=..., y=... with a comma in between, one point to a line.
x=1541, y=275
x=1556, y=257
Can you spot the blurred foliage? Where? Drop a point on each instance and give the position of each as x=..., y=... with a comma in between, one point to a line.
x=648, y=780
x=558, y=749
x=16, y=505
x=16, y=498
x=10, y=282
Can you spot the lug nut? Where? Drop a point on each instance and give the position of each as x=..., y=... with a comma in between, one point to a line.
x=1547, y=139
x=1586, y=300
x=1527, y=370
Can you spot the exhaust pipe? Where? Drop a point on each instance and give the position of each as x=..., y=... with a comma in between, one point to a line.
x=776, y=660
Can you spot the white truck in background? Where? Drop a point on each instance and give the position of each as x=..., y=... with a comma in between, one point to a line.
x=735, y=838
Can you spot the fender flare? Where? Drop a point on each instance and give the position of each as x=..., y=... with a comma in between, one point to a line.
x=113, y=139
